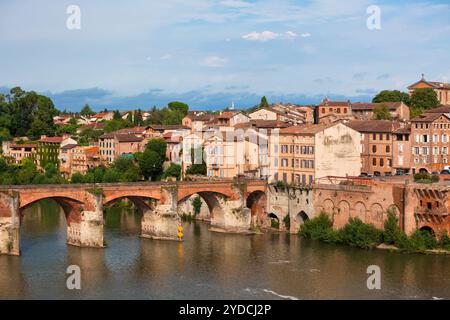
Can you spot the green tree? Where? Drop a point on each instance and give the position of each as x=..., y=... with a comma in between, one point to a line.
x=264, y=103
x=115, y=125
x=117, y=115
x=130, y=118
x=392, y=96
x=174, y=171
x=86, y=111
x=138, y=121
x=422, y=100
x=392, y=231
x=77, y=178
x=382, y=113
x=150, y=165
x=159, y=146
x=197, y=204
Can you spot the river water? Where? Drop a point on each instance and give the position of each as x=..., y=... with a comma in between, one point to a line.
x=206, y=265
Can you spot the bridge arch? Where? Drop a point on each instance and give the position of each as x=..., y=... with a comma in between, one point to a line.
x=71, y=206
x=300, y=219
x=256, y=201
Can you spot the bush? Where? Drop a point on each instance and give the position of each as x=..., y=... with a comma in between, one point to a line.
x=274, y=223
x=281, y=185
x=435, y=178
x=317, y=228
x=421, y=240
x=392, y=230
x=287, y=222
x=444, y=241
x=359, y=234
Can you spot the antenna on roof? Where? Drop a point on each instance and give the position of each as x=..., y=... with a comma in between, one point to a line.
x=423, y=76
x=232, y=105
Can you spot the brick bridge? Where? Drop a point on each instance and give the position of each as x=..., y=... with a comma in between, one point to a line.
x=231, y=203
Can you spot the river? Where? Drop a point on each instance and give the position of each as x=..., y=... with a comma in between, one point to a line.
x=206, y=265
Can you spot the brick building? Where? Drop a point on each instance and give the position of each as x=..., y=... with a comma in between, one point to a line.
x=430, y=140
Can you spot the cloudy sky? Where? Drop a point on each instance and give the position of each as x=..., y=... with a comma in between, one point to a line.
x=208, y=53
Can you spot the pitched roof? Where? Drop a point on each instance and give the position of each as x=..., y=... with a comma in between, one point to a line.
x=441, y=109
x=429, y=117
x=309, y=129
x=263, y=124
x=433, y=84
x=362, y=106
x=122, y=137
x=135, y=130
x=373, y=125
x=164, y=127
x=69, y=146
x=52, y=139
x=327, y=103
x=22, y=145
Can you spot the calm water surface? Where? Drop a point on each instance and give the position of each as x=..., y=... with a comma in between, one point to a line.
x=206, y=265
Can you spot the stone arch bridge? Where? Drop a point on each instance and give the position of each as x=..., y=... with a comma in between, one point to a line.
x=230, y=202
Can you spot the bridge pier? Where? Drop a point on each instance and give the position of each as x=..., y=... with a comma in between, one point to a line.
x=9, y=224
x=85, y=223
x=162, y=222
x=231, y=215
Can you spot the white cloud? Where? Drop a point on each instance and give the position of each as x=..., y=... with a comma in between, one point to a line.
x=261, y=36
x=166, y=56
x=236, y=4
x=305, y=35
x=291, y=34
x=214, y=61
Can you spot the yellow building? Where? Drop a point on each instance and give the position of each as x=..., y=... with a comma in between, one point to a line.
x=310, y=152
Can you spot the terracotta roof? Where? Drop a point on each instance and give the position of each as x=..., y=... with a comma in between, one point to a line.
x=404, y=130
x=327, y=103
x=52, y=139
x=361, y=106
x=169, y=127
x=122, y=137
x=373, y=125
x=434, y=84
x=95, y=126
x=429, y=117
x=135, y=130
x=23, y=145
x=101, y=114
x=69, y=146
x=263, y=124
x=305, y=129
x=441, y=109
x=226, y=114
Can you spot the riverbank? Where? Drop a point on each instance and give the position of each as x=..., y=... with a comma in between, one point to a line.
x=366, y=236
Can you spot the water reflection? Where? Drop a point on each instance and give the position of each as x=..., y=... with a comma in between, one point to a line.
x=206, y=265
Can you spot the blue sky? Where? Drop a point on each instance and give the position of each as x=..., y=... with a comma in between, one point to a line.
x=210, y=52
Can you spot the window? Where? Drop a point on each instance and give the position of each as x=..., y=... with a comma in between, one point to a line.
x=374, y=149
x=381, y=162
x=285, y=177
x=374, y=161
x=374, y=137
x=388, y=149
